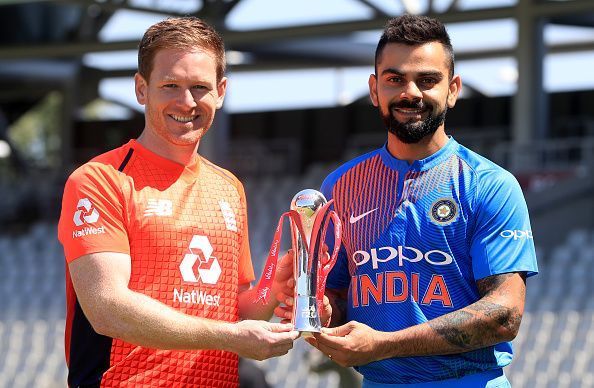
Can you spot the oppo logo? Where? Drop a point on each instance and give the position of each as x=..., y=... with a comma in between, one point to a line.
x=516, y=234
x=410, y=254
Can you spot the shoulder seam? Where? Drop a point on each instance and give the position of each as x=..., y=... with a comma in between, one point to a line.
x=224, y=173
x=346, y=167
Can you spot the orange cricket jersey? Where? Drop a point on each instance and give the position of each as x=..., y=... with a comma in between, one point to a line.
x=185, y=229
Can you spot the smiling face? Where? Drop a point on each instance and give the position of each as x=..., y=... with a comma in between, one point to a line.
x=180, y=97
x=413, y=90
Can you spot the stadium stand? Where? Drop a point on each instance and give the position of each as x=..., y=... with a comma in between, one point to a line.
x=32, y=309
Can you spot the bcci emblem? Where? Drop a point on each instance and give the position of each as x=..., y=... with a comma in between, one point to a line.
x=444, y=211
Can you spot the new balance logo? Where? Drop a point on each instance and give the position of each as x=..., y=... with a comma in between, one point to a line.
x=158, y=207
x=354, y=219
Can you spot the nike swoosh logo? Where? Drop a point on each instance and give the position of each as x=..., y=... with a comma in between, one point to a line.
x=353, y=219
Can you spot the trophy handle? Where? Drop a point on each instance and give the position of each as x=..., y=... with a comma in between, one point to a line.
x=325, y=265
x=268, y=273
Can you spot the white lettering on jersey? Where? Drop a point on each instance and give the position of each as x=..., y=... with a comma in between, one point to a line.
x=403, y=253
x=195, y=297
x=517, y=234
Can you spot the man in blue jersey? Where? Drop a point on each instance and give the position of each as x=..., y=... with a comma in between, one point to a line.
x=429, y=287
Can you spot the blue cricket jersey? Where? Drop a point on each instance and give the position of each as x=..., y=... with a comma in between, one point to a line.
x=416, y=238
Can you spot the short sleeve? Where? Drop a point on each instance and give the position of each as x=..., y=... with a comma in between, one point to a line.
x=92, y=218
x=502, y=240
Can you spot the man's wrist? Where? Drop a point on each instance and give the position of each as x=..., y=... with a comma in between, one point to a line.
x=227, y=336
x=385, y=347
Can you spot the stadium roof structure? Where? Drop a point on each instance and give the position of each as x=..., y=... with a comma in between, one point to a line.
x=73, y=46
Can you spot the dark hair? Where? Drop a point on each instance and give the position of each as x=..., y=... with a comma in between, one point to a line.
x=183, y=33
x=415, y=30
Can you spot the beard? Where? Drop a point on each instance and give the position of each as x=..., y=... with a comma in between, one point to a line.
x=412, y=132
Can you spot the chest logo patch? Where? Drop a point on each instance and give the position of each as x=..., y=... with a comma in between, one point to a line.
x=354, y=219
x=444, y=211
x=200, y=259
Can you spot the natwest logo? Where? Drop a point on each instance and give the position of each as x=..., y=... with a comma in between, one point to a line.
x=208, y=268
x=85, y=213
x=402, y=253
x=84, y=216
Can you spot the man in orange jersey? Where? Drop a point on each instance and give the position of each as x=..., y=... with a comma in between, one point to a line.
x=156, y=238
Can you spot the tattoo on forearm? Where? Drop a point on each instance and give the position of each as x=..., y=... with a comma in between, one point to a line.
x=503, y=316
x=491, y=310
x=480, y=323
x=447, y=326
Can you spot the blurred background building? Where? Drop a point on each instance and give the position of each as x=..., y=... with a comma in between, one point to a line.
x=297, y=107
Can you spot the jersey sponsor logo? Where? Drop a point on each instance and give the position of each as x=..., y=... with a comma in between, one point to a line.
x=158, y=207
x=517, y=234
x=86, y=214
x=228, y=215
x=402, y=253
x=444, y=211
x=208, y=269
x=354, y=219
x=196, y=297
x=198, y=266
x=399, y=287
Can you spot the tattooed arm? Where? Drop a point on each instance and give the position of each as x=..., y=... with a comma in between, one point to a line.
x=494, y=318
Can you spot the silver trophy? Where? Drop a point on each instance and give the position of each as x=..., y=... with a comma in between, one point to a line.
x=307, y=203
